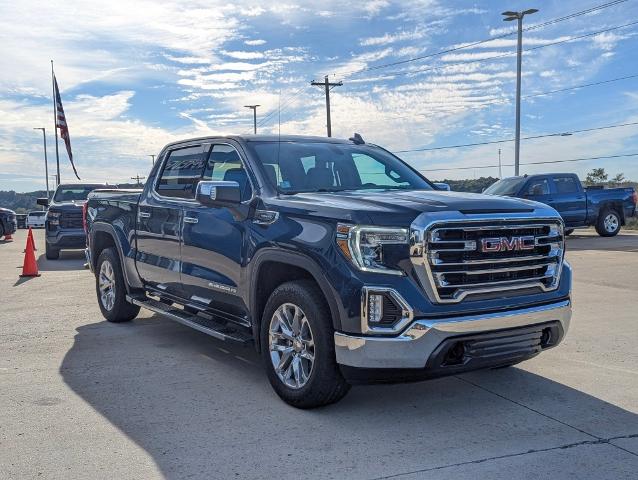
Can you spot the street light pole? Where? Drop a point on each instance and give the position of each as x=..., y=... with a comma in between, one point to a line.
x=46, y=162
x=152, y=159
x=500, y=171
x=254, y=109
x=518, y=16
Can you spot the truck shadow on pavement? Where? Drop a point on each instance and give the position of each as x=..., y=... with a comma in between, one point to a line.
x=200, y=407
x=69, y=260
x=620, y=243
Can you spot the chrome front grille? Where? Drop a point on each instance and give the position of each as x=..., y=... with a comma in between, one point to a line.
x=461, y=259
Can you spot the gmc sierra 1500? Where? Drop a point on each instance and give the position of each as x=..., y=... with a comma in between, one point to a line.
x=337, y=260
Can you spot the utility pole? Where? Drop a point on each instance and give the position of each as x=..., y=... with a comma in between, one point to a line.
x=500, y=171
x=254, y=109
x=509, y=16
x=152, y=159
x=138, y=178
x=46, y=162
x=326, y=84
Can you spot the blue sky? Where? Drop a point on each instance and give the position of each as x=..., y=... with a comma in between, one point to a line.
x=137, y=75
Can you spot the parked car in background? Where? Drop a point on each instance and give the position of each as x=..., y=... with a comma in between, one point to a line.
x=35, y=219
x=8, y=223
x=606, y=209
x=21, y=218
x=63, y=226
x=335, y=259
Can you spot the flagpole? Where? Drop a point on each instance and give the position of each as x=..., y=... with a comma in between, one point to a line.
x=55, y=124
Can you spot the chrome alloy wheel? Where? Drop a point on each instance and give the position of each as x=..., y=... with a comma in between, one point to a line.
x=106, y=282
x=611, y=223
x=291, y=344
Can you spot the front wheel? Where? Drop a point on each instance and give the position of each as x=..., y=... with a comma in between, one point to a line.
x=297, y=347
x=608, y=224
x=111, y=289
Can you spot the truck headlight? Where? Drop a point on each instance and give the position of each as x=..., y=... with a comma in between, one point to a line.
x=53, y=218
x=363, y=245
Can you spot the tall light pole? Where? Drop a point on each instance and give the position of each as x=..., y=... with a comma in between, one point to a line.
x=500, y=171
x=509, y=16
x=254, y=109
x=46, y=162
x=152, y=159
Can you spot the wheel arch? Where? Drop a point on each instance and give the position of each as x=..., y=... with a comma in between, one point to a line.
x=616, y=206
x=271, y=268
x=104, y=235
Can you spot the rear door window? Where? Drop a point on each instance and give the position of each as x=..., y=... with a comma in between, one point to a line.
x=565, y=185
x=181, y=173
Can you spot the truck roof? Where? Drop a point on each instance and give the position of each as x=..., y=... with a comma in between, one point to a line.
x=268, y=138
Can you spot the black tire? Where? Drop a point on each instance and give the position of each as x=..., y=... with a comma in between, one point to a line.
x=607, y=216
x=569, y=231
x=1, y=230
x=50, y=252
x=119, y=310
x=325, y=384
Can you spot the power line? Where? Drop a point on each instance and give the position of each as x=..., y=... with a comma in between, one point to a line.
x=392, y=75
x=501, y=100
x=533, y=163
x=469, y=45
x=491, y=142
x=575, y=87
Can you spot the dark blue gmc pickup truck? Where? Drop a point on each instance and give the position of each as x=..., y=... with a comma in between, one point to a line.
x=605, y=209
x=339, y=262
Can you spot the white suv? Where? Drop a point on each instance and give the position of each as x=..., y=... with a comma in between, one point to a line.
x=36, y=219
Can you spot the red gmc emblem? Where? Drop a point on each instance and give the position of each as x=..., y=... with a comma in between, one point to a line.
x=504, y=244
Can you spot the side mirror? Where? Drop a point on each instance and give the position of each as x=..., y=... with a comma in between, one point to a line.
x=442, y=186
x=218, y=193
x=43, y=202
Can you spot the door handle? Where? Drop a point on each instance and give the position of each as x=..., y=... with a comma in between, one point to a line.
x=144, y=214
x=190, y=220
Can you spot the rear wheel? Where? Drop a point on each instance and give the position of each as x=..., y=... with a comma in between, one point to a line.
x=111, y=289
x=1, y=231
x=608, y=224
x=50, y=252
x=297, y=347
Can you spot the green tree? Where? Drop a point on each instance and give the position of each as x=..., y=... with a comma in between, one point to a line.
x=619, y=178
x=597, y=175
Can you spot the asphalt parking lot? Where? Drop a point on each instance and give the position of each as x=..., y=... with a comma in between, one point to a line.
x=81, y=398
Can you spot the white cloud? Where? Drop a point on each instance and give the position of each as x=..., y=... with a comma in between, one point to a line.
x=388, y=38
x=255, y=42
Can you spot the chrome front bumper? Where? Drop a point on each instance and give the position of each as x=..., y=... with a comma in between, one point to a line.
x=413, y=347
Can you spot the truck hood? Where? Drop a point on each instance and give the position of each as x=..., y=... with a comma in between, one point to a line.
x=392, y=207
x=67, y=206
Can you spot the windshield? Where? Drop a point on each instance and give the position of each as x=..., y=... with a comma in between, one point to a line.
x=295, y=167
x=507, y=186
x=73, y=193
x=36, y=214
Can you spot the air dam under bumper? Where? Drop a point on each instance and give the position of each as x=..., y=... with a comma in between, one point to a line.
x=525, y=333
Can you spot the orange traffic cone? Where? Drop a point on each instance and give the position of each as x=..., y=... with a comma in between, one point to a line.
x=32, y=240
x=30, y=266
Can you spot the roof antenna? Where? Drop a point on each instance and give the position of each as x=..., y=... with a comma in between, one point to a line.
x=357, y=139
x=278, y=144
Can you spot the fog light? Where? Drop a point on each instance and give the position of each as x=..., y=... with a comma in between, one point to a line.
x=375, y=308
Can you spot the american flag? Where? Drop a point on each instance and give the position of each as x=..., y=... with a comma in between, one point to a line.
x=60, y=122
